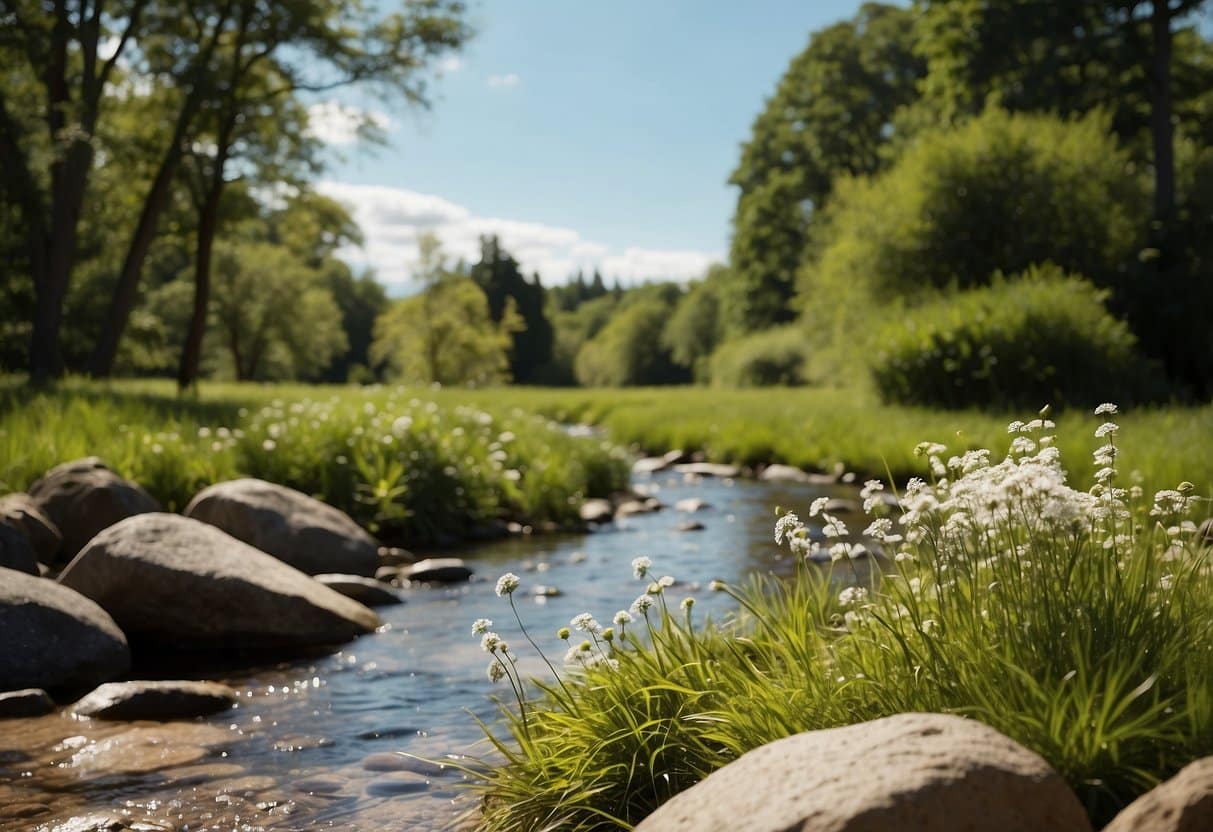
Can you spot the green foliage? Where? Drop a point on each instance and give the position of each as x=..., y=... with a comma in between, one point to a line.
x=775, y=357
x=498, y=275
x=443, y=334
x=831, y=115
x=572, y=329
x=1049, y=614
x=694, y=330
x=999, y=194
x=409, y=464
x=1044, y=337
x=627, y=351
x=273, y=313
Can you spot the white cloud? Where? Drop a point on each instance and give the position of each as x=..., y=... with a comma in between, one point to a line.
x=450, y=64
x=392, y=219
x=510, y=79
x=335, y=123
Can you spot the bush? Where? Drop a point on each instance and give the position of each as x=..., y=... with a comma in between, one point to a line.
x=998, y=194
x=628, y=350
x=1043, y=338
x=776, y=356
x=1045, y=612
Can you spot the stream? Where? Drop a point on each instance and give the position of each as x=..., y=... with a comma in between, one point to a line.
x=311, y=743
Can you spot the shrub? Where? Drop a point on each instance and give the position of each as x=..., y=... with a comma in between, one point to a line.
x=1045, y=612
x=628, y=351
x=998, y=194
x=776, y=356
x=1045, y=337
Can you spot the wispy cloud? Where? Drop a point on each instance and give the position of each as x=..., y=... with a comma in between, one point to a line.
x=510, y=79
x=339, y=124
x=392, y=220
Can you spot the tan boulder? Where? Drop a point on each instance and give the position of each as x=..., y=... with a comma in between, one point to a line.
x=1182, y=804
x=170, y=579
x=52, y=637
x=297, y=529
x=19, y=511
x=83, y=497
x=910, y=773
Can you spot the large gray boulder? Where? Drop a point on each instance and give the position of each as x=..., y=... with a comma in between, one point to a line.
x=1182, y=804
x=156, y=700
x=170, y=579
x=20, y=512
x=16, y=551
x=83, y=497
x=52, y=637
x=310, y=535
x=911, y=773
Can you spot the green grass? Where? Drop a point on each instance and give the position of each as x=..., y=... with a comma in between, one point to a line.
x=1061, y=625
x=412, y=467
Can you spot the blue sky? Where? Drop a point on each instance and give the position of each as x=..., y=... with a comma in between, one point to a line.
x=586, y=134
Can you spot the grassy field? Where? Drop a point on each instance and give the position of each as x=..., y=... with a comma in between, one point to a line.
x=149, y=433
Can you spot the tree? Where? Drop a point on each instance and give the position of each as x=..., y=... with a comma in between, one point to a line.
x=445, y=333
x=831, y=115
x=51, y=54
x=1141, y=60
x=498, y=275
x=693, y=331
x=273, y=312
x=627, y=351
x=271, y=52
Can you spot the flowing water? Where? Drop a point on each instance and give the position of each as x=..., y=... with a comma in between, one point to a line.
x=312, y=742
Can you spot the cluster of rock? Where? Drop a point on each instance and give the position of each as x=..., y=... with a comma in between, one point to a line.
x=91, y=569
x=916, y=773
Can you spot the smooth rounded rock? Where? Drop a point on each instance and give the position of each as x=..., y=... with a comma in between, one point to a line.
x=1182, y=804
x=708, y=469
x=158, y=700
x=690, y=526
x=629, y=508
x=320, y=784
x=19, y=511
x=396, y=783
x=910, y=773
x=83, y=497
x=597, y=511
x=143, y=749
x=297, y=529
x=395, y=556
x=52, y=637
x=16, y=553
x=369, y=592
x=692, y=505
x=23, y=703
x=170, y=579
x=437, y=570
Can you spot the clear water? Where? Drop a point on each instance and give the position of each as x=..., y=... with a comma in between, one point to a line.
x=311, y=744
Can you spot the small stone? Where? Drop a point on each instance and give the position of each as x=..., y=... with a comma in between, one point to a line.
x=160, y=700
x=629, y=508
x=690, y=526
x=369, y=592
x=394, y=556
x=389, y=574
x=320, y=784
x=145, y=749
x=786, y=473
x=692, y=505
x=597, y=511
x=649, y=465
x=546, y=591
x=396, y=783
x=437, y=570
x=708, y=469
x=397, y=761
x=28, y=702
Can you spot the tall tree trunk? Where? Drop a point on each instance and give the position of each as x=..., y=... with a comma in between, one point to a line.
x=123, y=300
x=208, y=224
x=191, y=351
x=1161, y=128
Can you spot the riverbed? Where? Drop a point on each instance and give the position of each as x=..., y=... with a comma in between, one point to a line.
x=315, y=743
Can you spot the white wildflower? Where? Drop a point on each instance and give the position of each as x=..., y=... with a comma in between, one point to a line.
x=786, y=526
x=1106, y=409
x=507, y=583
x=1106, y=429
x=852, y=596
x=585, y=623
x=818, y=506
x=623, y=618
x=641, y=566
x=491, y=642
x=481, y=626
